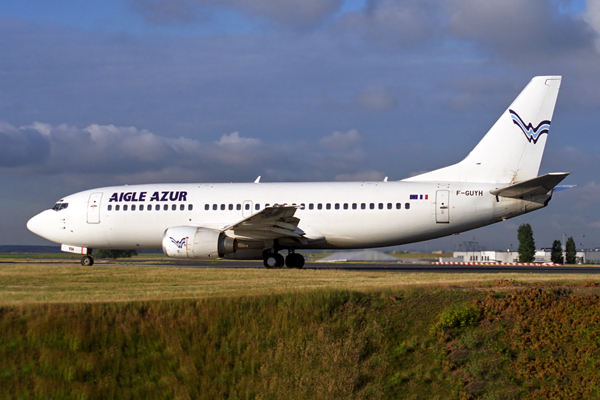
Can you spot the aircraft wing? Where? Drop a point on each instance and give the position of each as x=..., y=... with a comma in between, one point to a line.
x=270, y=223
x=537, y=186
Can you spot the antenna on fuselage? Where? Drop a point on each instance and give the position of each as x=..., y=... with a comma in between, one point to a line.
x=257, y=180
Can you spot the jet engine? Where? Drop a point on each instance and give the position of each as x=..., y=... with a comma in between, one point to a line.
x=194, y=242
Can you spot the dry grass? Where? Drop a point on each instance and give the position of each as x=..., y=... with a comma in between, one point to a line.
x=23, y=283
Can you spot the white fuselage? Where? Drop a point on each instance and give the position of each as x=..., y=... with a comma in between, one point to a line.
x=334, y=215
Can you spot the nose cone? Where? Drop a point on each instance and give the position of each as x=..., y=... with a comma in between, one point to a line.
x=40, y=224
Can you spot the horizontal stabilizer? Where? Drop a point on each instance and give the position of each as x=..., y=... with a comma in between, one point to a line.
x=532, y=187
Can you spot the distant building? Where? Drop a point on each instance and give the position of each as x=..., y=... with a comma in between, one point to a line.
x=541, y=256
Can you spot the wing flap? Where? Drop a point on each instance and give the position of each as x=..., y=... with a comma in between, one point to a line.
x=269, y=223
x=540, y=185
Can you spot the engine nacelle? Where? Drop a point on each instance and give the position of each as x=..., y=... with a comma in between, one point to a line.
x=194, y=242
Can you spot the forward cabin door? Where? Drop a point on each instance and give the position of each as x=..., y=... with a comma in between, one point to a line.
x=442, y=204
x=93, y=208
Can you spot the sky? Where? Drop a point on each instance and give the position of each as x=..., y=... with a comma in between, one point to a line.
x=98, y=93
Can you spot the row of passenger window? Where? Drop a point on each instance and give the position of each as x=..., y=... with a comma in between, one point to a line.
x=157, y=207
x=311, y=206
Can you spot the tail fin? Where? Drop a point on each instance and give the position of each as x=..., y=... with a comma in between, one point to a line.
x=512, y=150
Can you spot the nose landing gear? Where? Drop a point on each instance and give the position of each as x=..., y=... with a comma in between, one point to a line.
x=87, y=261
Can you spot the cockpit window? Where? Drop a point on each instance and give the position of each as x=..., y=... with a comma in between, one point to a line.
x=60, y=206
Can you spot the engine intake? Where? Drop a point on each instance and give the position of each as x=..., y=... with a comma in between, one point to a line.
x=194, y=242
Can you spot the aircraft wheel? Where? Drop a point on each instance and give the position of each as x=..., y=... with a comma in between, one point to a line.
x=87, y=261
x=294, y=260
x=273, y=260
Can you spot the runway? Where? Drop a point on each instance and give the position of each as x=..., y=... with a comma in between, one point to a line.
x=387, y=267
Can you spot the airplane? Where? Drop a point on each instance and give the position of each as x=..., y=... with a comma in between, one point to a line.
x=496, y=181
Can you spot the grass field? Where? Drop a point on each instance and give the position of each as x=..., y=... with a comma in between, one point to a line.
x=127, y=332
x=22, y=283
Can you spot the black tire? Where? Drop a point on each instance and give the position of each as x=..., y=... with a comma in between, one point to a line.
x=294, y=260
x=87, y=261
x=273, y=260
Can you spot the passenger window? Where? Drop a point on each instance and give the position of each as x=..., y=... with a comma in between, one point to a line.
x=181, y=207
x=149, y=207
x=215, y=207
x=302, y=206
x=246, y=206
x=337, y=206
x=133, y=207
x=230, y=207
x=141, y=207
x=407, y=206
x=311, y=206
x=372, y=206
x=257, y=206
x=389, y=206
x=239, y=207
x=398, y=206
x=173, y=207
x=109, y=207
x=381, y=206
x=354, y=206
x=190, y=207
x=266, y=205
x=345, y=206
x=207, y=207
x=157, y=207
x=363, y=206
x=117, y=207
x=328, y=206
x=222, y=207
x=320, y=206
x=124, y=207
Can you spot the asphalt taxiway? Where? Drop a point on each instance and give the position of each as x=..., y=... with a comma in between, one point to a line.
x=390, y=267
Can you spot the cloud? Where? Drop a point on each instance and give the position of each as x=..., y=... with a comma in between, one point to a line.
x=361, y=176
x=341, y=141
x=298, y=14
x=376, y=98
x=592, y=17
x=518, y=29
x=234, y=139
x=406, y=23
x=22, y=147
x=115, y=154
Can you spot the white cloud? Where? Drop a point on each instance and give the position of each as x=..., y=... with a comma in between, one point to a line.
x=361, y=176
x=234, y=139
x=592, y=17
x=407, y=23
x=341, y=141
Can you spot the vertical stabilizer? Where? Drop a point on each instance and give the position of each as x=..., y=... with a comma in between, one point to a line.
x=512, y=150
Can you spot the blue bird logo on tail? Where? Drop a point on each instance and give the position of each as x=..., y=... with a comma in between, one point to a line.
x=532, y=134
x=179, y=243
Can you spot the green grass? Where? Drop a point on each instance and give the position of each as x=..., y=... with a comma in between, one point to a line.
x=325, y=344
x=137, y=332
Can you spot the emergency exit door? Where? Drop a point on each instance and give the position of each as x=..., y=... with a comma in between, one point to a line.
x=442, y=204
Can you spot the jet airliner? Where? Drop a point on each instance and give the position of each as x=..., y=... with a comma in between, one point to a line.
x=497, y=180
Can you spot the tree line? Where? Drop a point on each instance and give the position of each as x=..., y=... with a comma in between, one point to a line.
x=527, y=248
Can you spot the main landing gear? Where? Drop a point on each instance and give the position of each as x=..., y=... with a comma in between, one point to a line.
x=87, y=261
x=276, y=260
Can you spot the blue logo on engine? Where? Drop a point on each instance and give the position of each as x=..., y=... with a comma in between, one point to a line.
x=532, y=134
x=179, y=243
